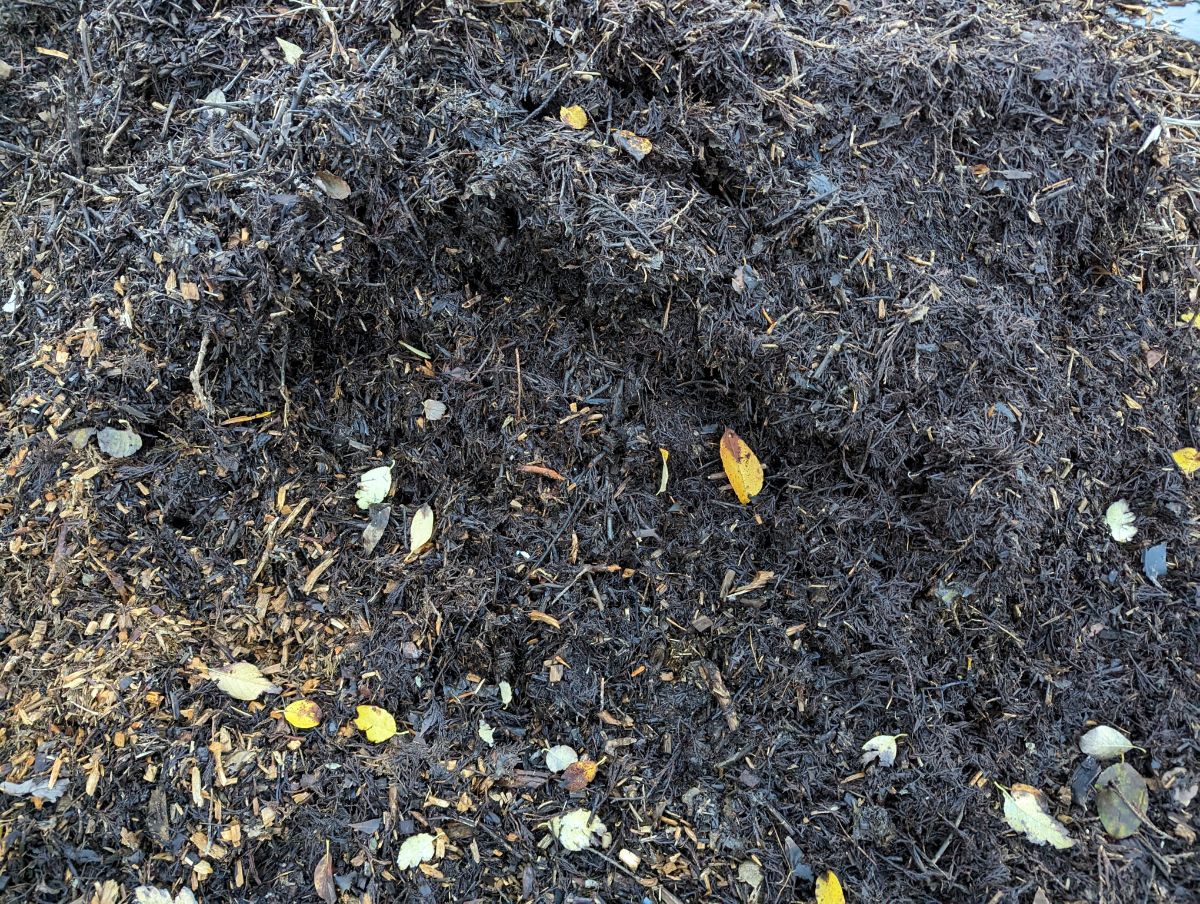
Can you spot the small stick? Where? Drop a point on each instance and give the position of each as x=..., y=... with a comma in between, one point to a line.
x=518, y=353
x=198, y=387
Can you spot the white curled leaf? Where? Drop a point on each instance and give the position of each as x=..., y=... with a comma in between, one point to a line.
x=577, y=830
x=415, y=850
x=420, y=531
x=118, y=443
x=434, y=410
x=487, y=732
x=242, y=681
x=506, y=694
x=560, y=756
x=373, y=486
x=1026, y=810
x=1120, y=521
x=1104, y=743
x=882, y=748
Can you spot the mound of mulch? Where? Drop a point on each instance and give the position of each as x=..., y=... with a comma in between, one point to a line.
x=933, y=262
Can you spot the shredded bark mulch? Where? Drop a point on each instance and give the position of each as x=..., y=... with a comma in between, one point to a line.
x=934, y=262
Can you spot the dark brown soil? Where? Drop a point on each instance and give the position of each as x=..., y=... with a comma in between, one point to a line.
x=929, y=259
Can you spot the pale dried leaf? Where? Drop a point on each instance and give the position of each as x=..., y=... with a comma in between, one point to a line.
x=148, y=894
x=1104, y=743
x=882, y=748
x=559, y=757
x=487, y=732
x=373, y=486
x=1026, y=810
x=1120, y=521
x=291, y=52
x=37, y=787
x=333, y=185
x=242, y=681
x=578, y=829
x=434, y=410
x=750, y=873
x=118, y=443
x=420, y=531
x=415, y=850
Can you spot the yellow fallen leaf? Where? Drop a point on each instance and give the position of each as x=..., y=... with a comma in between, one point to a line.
x=741, y=467
x=662, y=484
x=376, y=723
x=573, y=116
x=302, y=714
x=1187, y=459
x=829, y=889
x=1190, y=318
x=420, y=531
x=242, y=681
x=633, y=144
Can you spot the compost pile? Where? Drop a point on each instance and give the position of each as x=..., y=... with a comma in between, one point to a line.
x=934, y=262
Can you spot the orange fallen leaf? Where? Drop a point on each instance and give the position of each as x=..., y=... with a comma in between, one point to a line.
x=579, y=774
x=741, y=467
